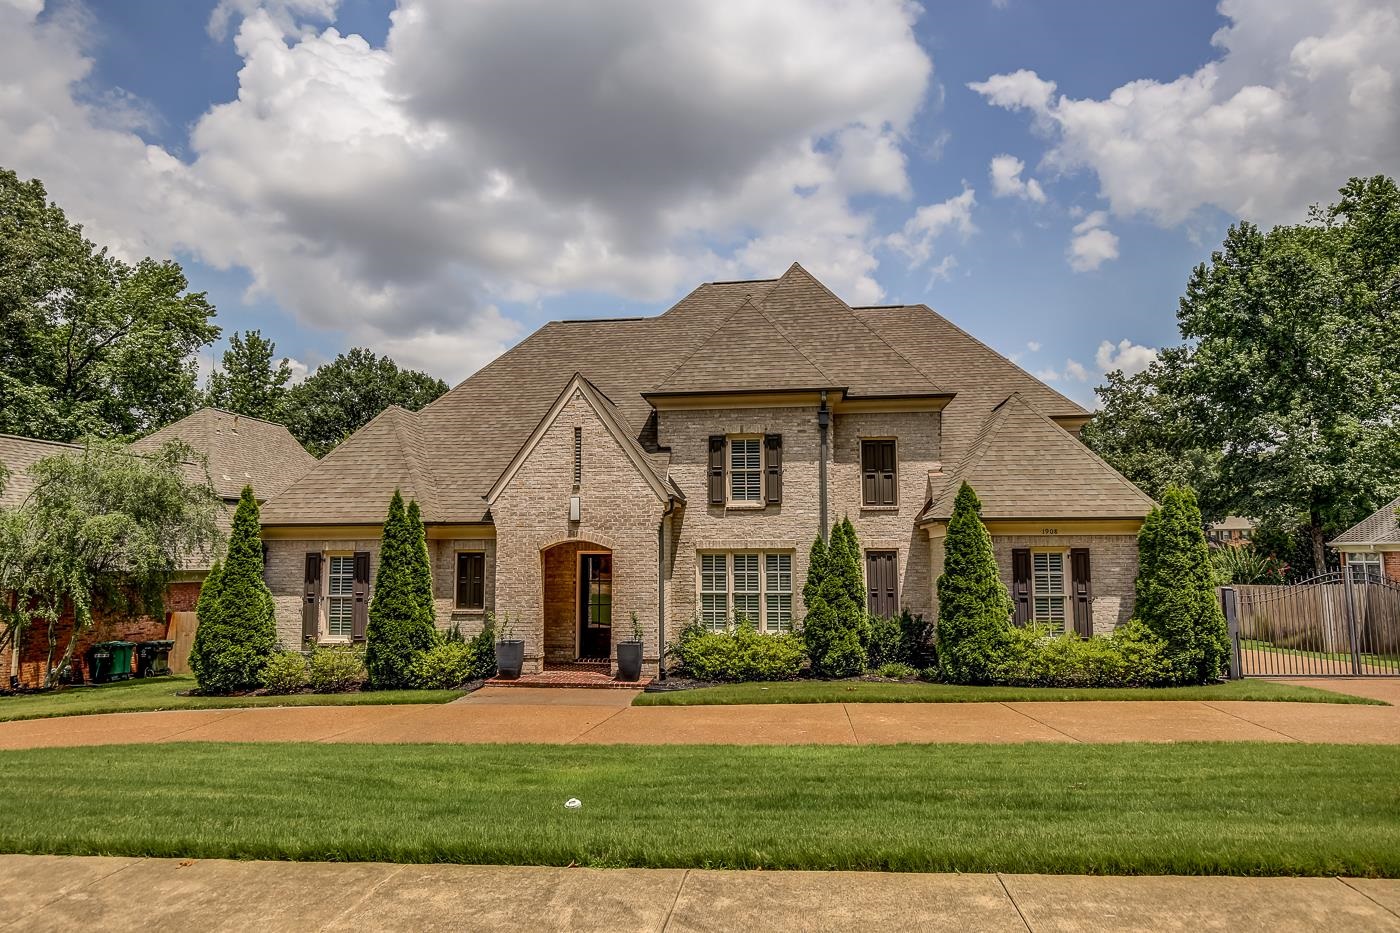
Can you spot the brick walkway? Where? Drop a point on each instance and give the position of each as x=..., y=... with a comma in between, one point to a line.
x=605, y=717
x=39, y=893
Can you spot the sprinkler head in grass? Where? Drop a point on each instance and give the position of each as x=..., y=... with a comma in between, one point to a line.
x=573, y=803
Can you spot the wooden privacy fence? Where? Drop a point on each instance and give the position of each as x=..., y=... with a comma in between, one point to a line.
x=1331, y=625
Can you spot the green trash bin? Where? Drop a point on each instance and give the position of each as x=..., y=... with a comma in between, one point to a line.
x=116, y=665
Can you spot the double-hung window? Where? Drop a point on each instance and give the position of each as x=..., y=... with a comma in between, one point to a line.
x=752, y=586
x=1364, y=568
x=746, y=469
x=340, y=596
x=1048, y=588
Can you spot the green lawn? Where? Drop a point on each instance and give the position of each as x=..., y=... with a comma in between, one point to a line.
x=855, y=691
x=1378, y=660
x=163, y=693
x=1216, y=808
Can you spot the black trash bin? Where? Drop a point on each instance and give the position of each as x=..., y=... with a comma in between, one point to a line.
x=99, y=664
x=153, y=658
x=109, y=661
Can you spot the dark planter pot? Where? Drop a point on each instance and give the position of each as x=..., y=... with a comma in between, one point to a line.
x=510, y=657
x=629, y=660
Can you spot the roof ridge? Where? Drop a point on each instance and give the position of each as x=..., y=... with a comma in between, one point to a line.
x=236, y=414
x=873, y=332
x=411, y=448
x=992, y=350
x=703, y=341
x=41, y=440
x=783, y=334
x=1127, y=483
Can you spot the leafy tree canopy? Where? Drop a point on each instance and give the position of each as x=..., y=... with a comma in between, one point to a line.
x=102, y=531
x=89, y=345
x=248, y=381
x=346, y=394
x=1283, y=404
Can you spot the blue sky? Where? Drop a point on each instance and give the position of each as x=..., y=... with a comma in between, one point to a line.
x=436, y=181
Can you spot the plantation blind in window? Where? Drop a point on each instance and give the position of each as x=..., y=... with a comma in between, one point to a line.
x=745, y=470
x=777, y=572
x=340, y=596
x=1048, y=588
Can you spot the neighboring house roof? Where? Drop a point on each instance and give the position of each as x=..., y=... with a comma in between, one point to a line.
x=1382, y=527
x=241, y=451
x=468, y=437
x=1023, y=465
x=1233, y=523
x=18, y=454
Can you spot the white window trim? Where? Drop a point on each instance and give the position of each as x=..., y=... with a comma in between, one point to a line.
x=1373, y=561
x=729, y=472
x=1064, y=594
x=324, y=623
x=764, y=588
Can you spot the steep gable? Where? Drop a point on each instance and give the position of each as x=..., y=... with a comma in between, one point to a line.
x=746, y=352
x=1381, y=527
x=1024, y=466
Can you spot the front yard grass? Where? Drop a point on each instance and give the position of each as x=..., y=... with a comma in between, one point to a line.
x=164, y=693
x=858, y=691
x=1196, y=808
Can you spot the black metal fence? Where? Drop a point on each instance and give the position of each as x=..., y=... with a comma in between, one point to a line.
x=1332, y=625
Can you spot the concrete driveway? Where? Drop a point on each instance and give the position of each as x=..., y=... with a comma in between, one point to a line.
x=504, y=714
x=42, y=893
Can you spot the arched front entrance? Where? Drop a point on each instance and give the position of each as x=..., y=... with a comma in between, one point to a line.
x=578, y=592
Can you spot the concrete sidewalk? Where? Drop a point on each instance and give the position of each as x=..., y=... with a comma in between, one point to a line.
x=39, y=893
x=604, y=717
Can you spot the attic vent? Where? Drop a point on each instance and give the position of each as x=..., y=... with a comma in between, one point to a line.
x=578, y=456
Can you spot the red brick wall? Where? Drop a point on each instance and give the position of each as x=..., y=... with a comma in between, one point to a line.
x=1391, y=565
x=34, y=650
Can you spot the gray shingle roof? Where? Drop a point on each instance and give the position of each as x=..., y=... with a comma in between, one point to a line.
x=18, y=454
x=241, y=451
x=1023, y=465
x=461, y=443
x=1381, y=527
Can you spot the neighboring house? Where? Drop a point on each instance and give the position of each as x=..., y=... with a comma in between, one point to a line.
x=1232, y=529
x=1371, y=548
x=239, y=450
x=680, y=466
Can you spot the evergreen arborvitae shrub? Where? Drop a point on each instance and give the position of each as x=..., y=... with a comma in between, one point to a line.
x=237, y=621
x=974, y=609
x=422, y=565
x=1175, y=590
x=398, y=630
x=817, y=559
x=835, y=628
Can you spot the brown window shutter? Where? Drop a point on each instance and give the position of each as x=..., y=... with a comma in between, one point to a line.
x=868, y=495
x=877, y=473
x=471, y=572
x=887, y=473
x=717, y=469
x=360, y=620
x=311, y=605
x=773, y=468
x=882, y=583
x=1083, y=592
x=1021, y=584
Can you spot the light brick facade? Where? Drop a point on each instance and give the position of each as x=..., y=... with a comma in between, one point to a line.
x=1113, y=563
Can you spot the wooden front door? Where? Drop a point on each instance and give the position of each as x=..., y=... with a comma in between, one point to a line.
x=595, y=606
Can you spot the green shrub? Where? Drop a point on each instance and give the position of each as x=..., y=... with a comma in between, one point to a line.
x=482, y=647
x=974, y=610
x=836, y=630
x=1175, y=589
x=285, y=673
x=933, y=675
x=902, y=639
x=400, y=627
x=1035, y=656
x=1244, y=564
x=885, y=644
x=237, y=631
x=737, y=655
x=454, y=634
x=336, y=669
x=896, y=670
x=443, y=666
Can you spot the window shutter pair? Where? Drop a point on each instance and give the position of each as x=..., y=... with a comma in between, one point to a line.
x=360, y=620
x=772, y=472
x=1082, y=592
x=311, y=606
x=773, y=468
x=882, y=583
x=1021, y=584
x=877, y=473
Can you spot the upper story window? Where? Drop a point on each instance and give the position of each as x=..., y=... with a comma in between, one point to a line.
x=878, y=474
x=745, y=469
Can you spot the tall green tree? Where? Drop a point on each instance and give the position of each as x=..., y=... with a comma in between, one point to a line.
x=101, y=533
x=248, y=381
x=1283, y=404
x=231, y=654
x=836, y=627
x=89, y=345
x=398, y=631
x=974, y=609
x=344, y=395
x=422, y=566
x=1175, y=589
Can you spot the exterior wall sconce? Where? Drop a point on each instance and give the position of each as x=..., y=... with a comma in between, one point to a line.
x=575, y=508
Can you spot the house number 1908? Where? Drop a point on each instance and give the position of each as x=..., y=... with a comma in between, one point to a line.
x=1049, y=531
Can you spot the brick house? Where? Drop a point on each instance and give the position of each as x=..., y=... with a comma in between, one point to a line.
x=239, y=450
x=1371, y=548
x=679, y=467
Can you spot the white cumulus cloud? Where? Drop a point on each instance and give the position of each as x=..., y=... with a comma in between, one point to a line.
x=1005, y=172
x=1093, y=244
x=1131, y=358
x=1302, y=95
x=916, y=240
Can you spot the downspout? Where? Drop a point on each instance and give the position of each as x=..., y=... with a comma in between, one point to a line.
x=823, y=420
x=661, y=590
